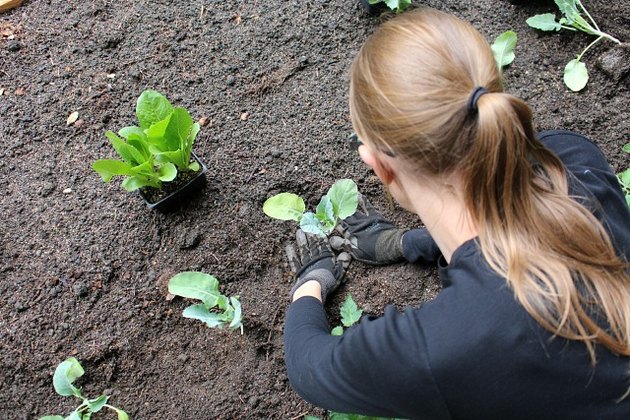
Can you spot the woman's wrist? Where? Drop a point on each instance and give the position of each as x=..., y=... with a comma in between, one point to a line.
x=310, y=288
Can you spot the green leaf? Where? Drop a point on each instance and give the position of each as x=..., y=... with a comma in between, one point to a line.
x=194, y=166
x=624, y=177
x=152, y=107
x=194, y=285
x=134, y=183
x=65, y=374
x=310, y=224
x=350, y=312
x=51, y=418
x=544, y=22
x=344, y=197
x=127, y=152
x=325, y=212
x=199, y=311
x=238, y=313
x=95, y=405
x=168, y=172
x=284, y=206
x=503, y=48
x=398, y=5
x=132, y=132
x=575, y=75
x=337, y=331
x=75, y=415
x=108, y=168
x=156, y=134
x=177, y=130
x=626, y=148
x=311, y=418
x=121, y=414
x=222, y=302
x=174, y=157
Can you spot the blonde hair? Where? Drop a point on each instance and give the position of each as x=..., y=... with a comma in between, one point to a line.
x=410, y=86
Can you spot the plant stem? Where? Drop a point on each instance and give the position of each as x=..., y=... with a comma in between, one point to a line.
x=579, y=57
x=588, y=15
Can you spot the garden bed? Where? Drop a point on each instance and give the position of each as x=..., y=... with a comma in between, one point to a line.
x=84, y=265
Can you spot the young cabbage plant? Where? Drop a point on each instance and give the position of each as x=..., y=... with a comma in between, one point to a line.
x=340, y=202
x=575, y=17
x=397, y=6
x=624, y=178
x=503, y=49
x=66, y=373
x=154, y=152
x=216, y=310
x=350, y=315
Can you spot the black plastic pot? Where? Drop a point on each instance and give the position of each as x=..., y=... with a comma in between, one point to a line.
x=373, y=9
x=182, y=195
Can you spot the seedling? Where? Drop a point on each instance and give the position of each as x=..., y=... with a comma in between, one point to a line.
x=398, y=6
x=573, y=12
x=503, y=49
x=155, y=151
x=66, y=373
x=624, y=177
x=350, y=314
x=217, y=310
x=340, y=202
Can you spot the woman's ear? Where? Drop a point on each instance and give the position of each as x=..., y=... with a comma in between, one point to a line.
x=381, y=168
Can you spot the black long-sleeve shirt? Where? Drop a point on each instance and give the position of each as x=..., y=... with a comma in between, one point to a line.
x=473, y=352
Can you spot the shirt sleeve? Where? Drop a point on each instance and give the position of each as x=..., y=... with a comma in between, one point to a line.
x=419, y=247
x=379, y=367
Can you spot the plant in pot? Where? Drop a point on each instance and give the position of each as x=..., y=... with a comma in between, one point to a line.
x=156, y=157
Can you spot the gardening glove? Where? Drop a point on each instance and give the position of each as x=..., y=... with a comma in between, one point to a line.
x=315, y=260
x=369, y=237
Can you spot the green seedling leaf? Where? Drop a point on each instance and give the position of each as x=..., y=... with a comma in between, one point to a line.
x=326, y=215
x=626, y=148
x=178, y=129
x=75, y=415
x=127, y=152
x=168, y=172
x=194, y=285
x=284, y=206
x=194, y=166
x=134, y=183
x=544, y=22
x=152, y=107
x=310, y=224
x=132, y=132
x=108, y=168
x=51, y=418
x=238, y=313
x=337, y=331
x=575, y=75
x=344, y=197
x=96, y=404
x=398, y=5
x=121, y=414
x=350, y=312
x=65, y=374
x=503, y=48
x=624, y=177
x=199, y=311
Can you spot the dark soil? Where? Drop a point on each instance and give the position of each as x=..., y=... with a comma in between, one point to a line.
x=83, y=264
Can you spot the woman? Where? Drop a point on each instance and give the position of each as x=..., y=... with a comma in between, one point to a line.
x=530, y=232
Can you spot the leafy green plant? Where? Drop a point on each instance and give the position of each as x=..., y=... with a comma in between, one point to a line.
x=624, y=177
x=503, y=49
x=350, y=314
x=216, y=310
x=398, y=6
x=66, y=373
x=156, y=150
x=575, y=17
x=340, y=202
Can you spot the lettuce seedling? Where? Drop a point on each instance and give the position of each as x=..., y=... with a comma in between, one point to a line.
x=575, y=72
x=155, y=151
x=350, y=315
x=66, y=373
x=503, y=49
x=340, y=202
x=624, y=178
x=398, y=6
x=216, y=310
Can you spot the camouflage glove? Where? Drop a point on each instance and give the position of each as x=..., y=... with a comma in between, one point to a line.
x=316, y=261
x=369, y=237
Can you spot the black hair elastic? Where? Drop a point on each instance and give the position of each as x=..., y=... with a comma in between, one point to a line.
x=474, y=97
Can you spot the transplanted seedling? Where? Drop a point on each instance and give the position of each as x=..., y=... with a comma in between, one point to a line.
x=624, y=177
x=350, y=315
x=66, y=373
x=503, y=49
x=398, y=6
x=216, y=310
x=340, y=202
x=573, y=12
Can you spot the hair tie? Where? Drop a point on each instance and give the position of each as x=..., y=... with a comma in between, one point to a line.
x=474, y=97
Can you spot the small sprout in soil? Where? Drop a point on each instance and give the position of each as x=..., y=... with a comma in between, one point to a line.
x=350, y=315
x=154, y=152
x=624, y=177
x=66, y=373
x=216, y=310
x=573, y=19
x=340, y=202
x=397, y=6
x=503, y=49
